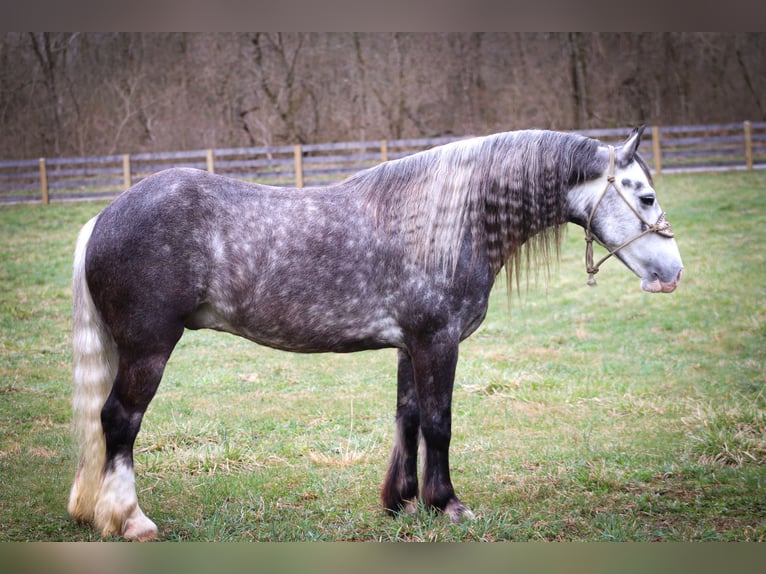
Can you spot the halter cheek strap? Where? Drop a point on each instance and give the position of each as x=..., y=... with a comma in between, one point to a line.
x=661, y=226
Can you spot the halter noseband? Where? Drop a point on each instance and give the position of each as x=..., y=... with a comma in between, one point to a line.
x=661, y=226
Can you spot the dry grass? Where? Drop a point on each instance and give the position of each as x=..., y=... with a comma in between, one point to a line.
x=732, y=435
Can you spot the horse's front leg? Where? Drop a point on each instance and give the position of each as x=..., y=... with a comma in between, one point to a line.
x=400, y=489
x=434, y=362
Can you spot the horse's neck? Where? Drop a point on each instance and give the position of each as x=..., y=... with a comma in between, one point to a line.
x=521, y=223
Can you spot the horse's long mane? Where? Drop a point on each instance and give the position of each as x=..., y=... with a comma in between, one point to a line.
x=507, y=191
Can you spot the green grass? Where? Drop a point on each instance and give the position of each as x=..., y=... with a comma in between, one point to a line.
x=579, y=413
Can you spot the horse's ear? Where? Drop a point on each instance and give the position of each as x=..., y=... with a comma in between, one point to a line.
x=629, y=147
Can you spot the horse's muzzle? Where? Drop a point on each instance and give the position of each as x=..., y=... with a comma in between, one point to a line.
x=658, y=286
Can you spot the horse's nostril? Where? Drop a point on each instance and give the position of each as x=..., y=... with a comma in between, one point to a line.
x=680, y=272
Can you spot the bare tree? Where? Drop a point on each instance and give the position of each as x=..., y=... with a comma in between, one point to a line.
x=277, y=59
x=99, y=92
x=578, y=70
x=130, y=111
x=390, y=57
x=50, y=50
x=748, y=77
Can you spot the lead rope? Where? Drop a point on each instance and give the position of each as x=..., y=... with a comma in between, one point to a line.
x=661, y=226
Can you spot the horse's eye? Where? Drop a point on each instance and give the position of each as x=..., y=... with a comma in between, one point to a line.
x=647, y=200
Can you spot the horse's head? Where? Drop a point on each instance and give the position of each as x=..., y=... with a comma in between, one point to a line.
x=620, y=211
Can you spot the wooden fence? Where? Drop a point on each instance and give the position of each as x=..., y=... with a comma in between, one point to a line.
x=667, y=149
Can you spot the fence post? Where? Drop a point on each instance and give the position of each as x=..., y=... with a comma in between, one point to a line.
x=210, y=161
x=127, y=180
x=44, y=182
x=298, y=156
x=656, y=149
x=383, y=150
x=748, y=145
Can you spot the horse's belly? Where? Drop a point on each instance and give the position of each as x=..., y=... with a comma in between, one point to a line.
x=309, y=331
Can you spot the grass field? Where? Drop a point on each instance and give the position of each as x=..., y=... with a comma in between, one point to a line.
x=579, y=413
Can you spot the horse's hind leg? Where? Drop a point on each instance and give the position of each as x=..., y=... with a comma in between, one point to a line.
x=138, y=376
x=400, y=489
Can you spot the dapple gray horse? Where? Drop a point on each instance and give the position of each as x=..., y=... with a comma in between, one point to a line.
x=401, y=255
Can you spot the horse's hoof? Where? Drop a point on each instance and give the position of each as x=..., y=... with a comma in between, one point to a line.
x=139, y=529
x=410, y=506
x=458, y=512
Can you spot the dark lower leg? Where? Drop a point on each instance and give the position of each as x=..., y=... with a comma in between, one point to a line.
x=434, y=368
x=400, y=488
x=437, y=485
x=135, y=386
x=437, y=490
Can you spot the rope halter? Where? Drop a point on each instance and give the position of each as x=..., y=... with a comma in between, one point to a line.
x=661, y=226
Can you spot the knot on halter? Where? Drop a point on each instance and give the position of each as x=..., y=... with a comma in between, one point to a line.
x=589, y=267
x=661, y=226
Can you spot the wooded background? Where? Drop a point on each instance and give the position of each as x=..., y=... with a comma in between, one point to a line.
x=64, y=94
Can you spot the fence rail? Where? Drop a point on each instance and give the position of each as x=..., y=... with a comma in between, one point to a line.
x=667, y=149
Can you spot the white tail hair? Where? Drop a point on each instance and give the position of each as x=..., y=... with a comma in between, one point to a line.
x=94, y=355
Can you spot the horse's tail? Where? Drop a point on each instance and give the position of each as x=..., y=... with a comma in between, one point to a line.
x=94, y=355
